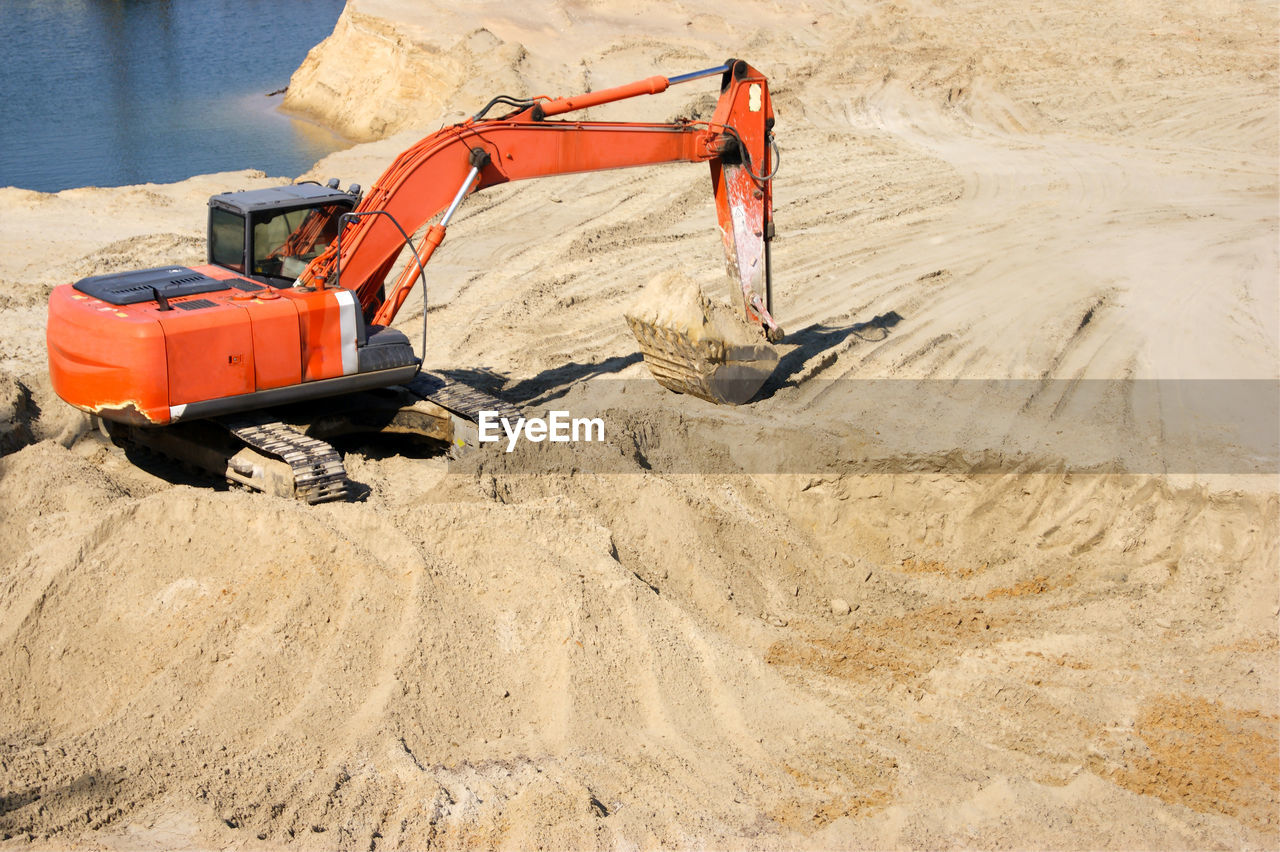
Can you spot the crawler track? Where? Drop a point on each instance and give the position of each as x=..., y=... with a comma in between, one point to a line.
x=318, y=473
x=270, y=451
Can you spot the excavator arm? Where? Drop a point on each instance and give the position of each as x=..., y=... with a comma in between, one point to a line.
x=438, y=172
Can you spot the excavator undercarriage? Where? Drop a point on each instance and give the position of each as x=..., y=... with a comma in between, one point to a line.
x=285, y=451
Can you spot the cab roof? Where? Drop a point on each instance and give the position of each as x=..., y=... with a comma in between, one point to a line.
x=278, y=198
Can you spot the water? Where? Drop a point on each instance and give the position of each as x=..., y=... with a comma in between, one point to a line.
x=114, y=92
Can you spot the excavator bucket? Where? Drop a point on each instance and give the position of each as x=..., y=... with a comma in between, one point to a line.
x=695, y=346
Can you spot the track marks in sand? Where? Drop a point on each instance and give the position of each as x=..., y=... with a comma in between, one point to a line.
x=295, y=639
x=1103, y=213
x=1024, y=640
x=623, y=666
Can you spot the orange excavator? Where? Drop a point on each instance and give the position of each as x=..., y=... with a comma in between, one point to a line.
x=295, y=304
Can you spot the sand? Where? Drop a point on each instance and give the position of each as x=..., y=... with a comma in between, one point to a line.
x=991, y=562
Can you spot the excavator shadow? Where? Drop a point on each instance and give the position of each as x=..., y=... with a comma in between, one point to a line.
x=379, y=429
x=379, y=446
x=549, y=384
x=798, y=365
x=814, y=347
x=78, y=795
x=170, y=469
x=479, y=378
x=297, y=450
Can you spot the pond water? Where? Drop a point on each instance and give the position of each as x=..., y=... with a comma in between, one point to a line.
x=115, y=92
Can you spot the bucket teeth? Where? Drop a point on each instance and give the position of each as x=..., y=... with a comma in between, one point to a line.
x=709, y=368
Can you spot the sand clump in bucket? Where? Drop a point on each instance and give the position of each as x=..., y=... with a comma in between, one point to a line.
x=696, y=345
x=676, y=300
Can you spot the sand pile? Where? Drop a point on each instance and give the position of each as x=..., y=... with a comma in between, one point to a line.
x=910, y=596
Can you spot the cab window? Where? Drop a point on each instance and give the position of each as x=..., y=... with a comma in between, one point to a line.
x=284, y=243
x=226, y=239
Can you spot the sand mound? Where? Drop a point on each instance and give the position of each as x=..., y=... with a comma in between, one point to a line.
x=304, y=678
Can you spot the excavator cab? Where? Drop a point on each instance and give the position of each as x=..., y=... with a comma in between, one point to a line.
x=270, y=235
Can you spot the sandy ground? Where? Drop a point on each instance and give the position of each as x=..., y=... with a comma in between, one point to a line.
x=981, y=567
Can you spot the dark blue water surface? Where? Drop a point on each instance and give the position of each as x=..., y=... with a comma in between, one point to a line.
x=113, y=92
